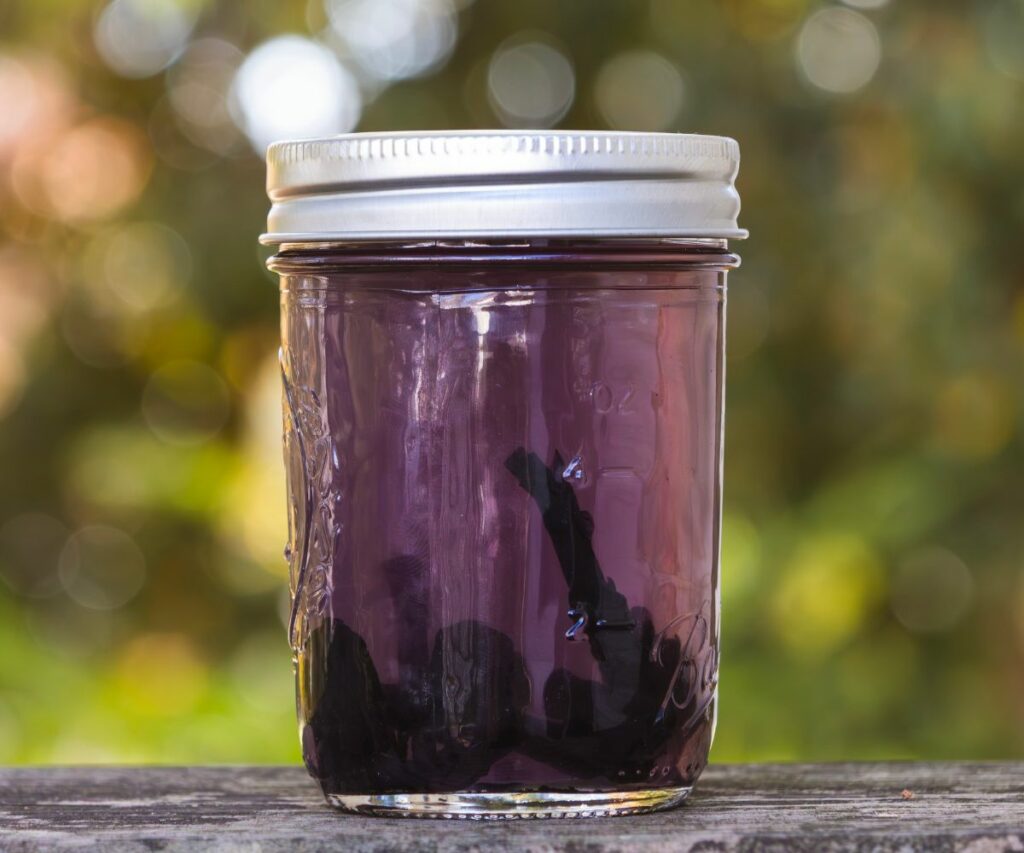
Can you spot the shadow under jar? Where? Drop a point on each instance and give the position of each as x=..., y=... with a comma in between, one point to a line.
x=504, y=456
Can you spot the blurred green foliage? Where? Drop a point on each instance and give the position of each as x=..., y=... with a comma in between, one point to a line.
x=873, y=597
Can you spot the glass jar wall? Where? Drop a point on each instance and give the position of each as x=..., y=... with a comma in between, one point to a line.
x=504, y=466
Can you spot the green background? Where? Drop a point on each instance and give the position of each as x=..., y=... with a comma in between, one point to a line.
x=873, y=596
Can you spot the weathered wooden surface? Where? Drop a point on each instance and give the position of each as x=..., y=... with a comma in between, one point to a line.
x=974, y=807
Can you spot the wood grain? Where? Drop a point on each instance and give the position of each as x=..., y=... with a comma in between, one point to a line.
x=971, y=807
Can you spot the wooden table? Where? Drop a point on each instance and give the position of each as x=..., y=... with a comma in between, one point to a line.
x=877, y=807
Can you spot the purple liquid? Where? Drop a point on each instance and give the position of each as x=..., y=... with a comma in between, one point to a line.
x=504, y=486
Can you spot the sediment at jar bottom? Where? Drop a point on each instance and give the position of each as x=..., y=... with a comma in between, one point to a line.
x=366, y=737
x=459, y=719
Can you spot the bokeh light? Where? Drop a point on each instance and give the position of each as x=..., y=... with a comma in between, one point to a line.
x=255, y=681
x=293, y=87
x=101, y=567
x=974, y=416
x=394, y=39
x=96, y=336
x=71, y=633
x=741, y=557
x=137, y=267
x=187, y=481
x=1004, y=36
x=160, y=675
x=185, y=402
x=839, y=50
x=27, y=295
x=757, y=21
x=259, y=531
x=12, y=376
x=531, y=83
x=931, y=590
x=40, y=102
x=16, y=93
x=36, y=100
x=199, y=89
x=828, y=589
x=640, y=90
x=30, y=548
x=89, y=173
x=139, y=38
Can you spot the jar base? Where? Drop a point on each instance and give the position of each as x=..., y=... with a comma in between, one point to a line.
x=510, y=806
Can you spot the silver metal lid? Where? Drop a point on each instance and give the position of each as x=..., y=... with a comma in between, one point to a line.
x=478, y=184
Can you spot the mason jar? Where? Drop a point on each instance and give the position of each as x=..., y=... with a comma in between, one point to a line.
x=502, y=362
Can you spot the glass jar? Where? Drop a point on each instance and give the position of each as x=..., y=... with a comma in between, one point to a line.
x=503, y=446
